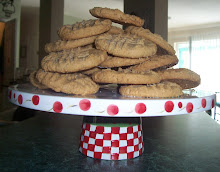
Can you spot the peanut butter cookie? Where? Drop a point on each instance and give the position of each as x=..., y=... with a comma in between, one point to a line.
x=70, y=61
x=34, y=81
x=183, y=77
x=84, y=29
x=113, y=61
x=124, y=76
x=74, y=83
x=90, y=71
x=115, y=30
x=147, y=34
x=162, y=90
x=116, y=16
x=125, y=45
x=156, y=62
x=65, y=45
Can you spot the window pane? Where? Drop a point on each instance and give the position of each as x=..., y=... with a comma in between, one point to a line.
x=182, y=51
x=204, y=59
x=205, y=62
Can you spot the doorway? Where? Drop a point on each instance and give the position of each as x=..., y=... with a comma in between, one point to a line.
x=7, y=60
x=7, y=52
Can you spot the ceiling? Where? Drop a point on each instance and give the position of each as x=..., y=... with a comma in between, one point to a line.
x=191, y=13
x=182, y=13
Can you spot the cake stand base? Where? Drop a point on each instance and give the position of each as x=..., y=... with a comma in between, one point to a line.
x=111, y=141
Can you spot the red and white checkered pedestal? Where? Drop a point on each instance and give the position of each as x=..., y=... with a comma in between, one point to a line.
x=111, y=143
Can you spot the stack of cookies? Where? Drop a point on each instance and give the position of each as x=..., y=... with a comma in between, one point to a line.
x=94, y=52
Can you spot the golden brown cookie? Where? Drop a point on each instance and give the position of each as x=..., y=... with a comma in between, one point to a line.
x=34, y=81
x=125, y=45
x=125, y=77
x=74, y=83
x=161, y=51
x=83, y=48
x=115, y=30
x=91, y=71
x=70, y=61
x=162, y=90
x=116, y=16
x=147, y=34
x=112, y=61
x=156, y=62
x=84, y=29
x=65, y=45
x=184, y=77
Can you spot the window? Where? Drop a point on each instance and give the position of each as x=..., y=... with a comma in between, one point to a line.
x=182, y=51
x=201, y=54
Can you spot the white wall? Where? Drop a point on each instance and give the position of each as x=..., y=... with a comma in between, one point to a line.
x=30, y=37
x=71, y=19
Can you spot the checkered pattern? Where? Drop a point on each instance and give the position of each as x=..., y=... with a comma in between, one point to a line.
x=111, y=143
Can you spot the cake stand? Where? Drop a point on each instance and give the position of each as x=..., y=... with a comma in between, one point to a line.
x=112, y=125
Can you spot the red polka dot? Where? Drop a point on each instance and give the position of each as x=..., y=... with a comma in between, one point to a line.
x=189, y=107
x=180, y=105
x=140, y=108
x=84, y=104
x=112, y=110
x=57, y=107
x=169, y=106
x=203, y=103
x=14, y=95
x=9, y=95
x=213, y=103
x=20, y=99
x=35, y=100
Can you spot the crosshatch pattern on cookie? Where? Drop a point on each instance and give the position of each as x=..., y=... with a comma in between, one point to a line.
x=84, y=29
x=111, y=143
x=116, y=15
x=126, y=45
x=147, y=34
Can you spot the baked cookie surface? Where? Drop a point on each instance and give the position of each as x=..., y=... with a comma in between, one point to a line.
x=147, y=34
x=156, y=62
x=125, y=45
x=65, y=45
x=34, y=81
x=113, y=61
x=75, y=83
x=73, y=61
x=183, y=77
x=162, y=90
x=115, y=30
x=90, y=71
x=124, y=76
x=84, y=29
x=116, y=16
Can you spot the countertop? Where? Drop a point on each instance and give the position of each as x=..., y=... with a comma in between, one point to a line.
x=49, y=142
